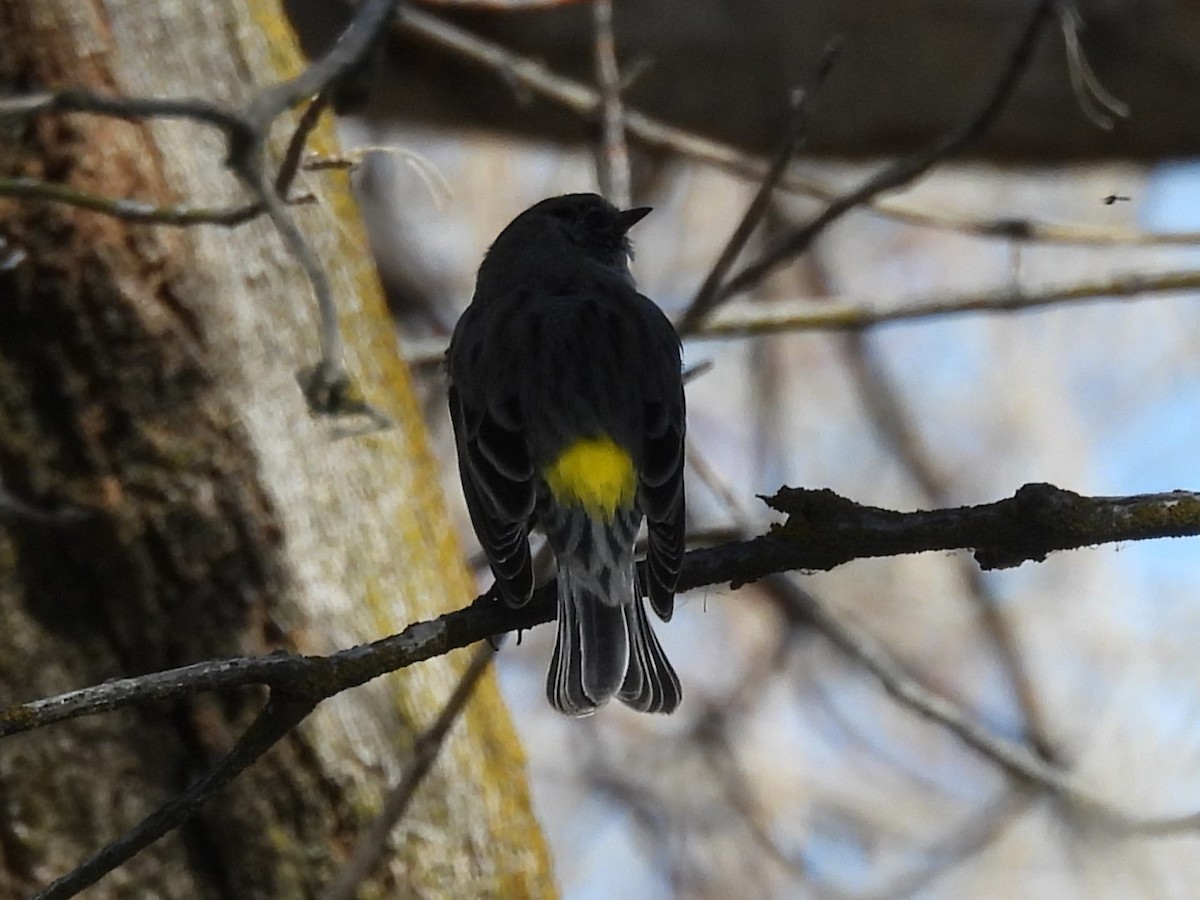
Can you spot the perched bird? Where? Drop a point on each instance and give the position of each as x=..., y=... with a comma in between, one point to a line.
x=567, y=403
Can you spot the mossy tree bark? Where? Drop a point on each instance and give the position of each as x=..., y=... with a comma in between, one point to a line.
x=147, y=376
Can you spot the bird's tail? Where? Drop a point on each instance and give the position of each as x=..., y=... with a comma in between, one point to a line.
x=651, y=684
x=605, y=646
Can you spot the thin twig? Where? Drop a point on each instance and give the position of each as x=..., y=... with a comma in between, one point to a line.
x=130, y=109
x=1097, y=103
x=328, y=387
x=278, y=718
x=904, y=171
x=896, y=426
x=745, y=319
x=292, y=158
x=215, y=675
x=847, y=315
x=613, y=155
x=179, y=215
x=13, y=509
x=528, y=75
x=352, y=47
x=962, y=842
x=801, y=102
x=373, y=845
x=330, y=374
x=1013, y=758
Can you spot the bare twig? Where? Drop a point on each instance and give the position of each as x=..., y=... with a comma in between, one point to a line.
x=1026, y=527
x=527, y=74
x=962, y=842
x=279, y=717
x=1094, y=99
x=373, y=845
x=328, y=388
x=434, y=181
x=215, y=675
x=903, y=171
x=131, y=109
x=613, y=155
x=351, y=49
x=246, y=130
x=290, y=167
x=801, y=101
x=896, y=426
x=1013, y=758
x=805, y=315
x=13, y=509
x=330, y=374
x=743, y=319
x=179, y=215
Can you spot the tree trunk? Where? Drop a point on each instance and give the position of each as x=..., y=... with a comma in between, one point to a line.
x=147, y=377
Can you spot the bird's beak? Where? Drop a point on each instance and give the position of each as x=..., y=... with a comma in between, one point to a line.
x=630, y=217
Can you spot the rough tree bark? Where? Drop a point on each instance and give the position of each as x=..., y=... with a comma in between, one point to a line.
x=147, y=377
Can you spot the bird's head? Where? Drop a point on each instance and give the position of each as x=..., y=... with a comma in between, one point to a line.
x=586, y=222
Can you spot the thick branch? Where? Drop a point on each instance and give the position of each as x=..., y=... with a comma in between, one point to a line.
x=823, y=530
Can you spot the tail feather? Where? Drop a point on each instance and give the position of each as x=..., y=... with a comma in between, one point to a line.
x=651, y=684
x=605, y=646
x=591, y=653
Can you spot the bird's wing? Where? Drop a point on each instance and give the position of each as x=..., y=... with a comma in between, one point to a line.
x=661, y=472
x=496, y=471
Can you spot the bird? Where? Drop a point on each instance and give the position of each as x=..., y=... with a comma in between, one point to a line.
x=567, y=404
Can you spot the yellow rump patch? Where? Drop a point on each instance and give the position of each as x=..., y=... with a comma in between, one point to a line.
x=593, y=473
